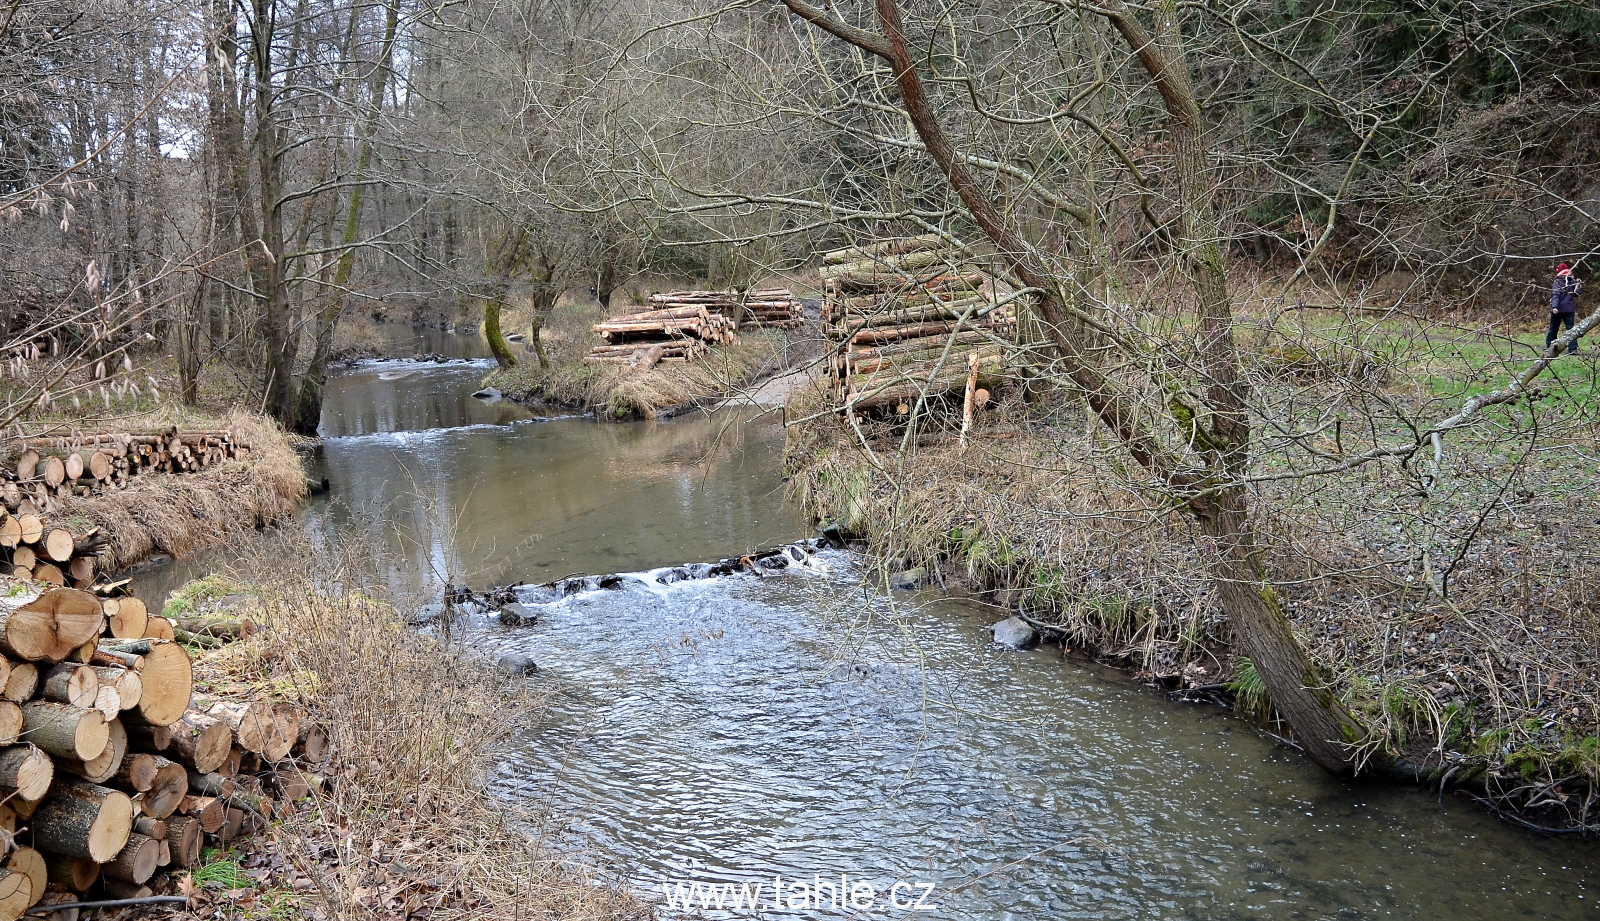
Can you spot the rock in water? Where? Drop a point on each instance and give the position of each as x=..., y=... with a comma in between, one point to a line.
x=488, y=393
x=516, y=663
x=518, y=615
x=1014, y=633
x=915, y=577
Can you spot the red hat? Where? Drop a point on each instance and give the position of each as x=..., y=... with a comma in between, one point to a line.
x=1562, y=267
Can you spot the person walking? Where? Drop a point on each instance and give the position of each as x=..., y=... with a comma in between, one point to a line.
x=1563, y=303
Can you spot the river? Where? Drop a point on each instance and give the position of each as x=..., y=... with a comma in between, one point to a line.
x=734, y=730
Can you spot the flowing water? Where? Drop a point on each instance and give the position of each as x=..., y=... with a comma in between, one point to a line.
x=734, y=730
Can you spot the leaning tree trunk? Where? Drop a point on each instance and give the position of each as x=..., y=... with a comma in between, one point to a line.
x=501, y=265
x=1318, y=717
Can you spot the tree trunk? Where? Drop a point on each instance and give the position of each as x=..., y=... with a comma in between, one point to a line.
x=501, y=265
x=1259, y=624
x=309, y=412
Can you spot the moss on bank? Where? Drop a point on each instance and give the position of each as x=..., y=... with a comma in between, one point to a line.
x=1496, y=684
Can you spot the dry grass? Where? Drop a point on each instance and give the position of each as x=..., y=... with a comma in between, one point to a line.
x=1039, y=515
x=407, y=825
x=181, y=513
x=615, y=392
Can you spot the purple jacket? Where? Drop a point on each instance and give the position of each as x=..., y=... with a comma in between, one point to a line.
x=1564, y=293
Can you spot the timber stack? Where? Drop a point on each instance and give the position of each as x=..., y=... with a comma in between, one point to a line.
x=909, y=318
x=110, y=768
x=679, y=333
x=764, y=308
x=48, y=469
x=32, y=547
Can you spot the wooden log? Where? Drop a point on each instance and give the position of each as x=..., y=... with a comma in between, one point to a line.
x=16, y=894
x=137, y=773
x=56, y=544
x=72, y=683
x=166, y=675
x=25, y=771
x=22, y=680
x=125, y=681
x=49, y=572
x=285, y=732
x=81, y=819
x=291, y=783
x=233, y=825
x=167, y=790
x=30, y=863
x=122, y=889
x=11, y=722
x=159, y=628
x=184, y=834
x=136, y=862
x=66, y=731
x=151, y=826
x=104, y=766
x=143, y=735
x=11, y=528
x=128, y=623
x=75, y=873
x=108, y=702
x=211, y=784
x=100, y=464
x=208, y=810
x=51, y=626
x=166, y=853
x=200, y=741
x=54, y=472
x=27, y=464
x=25, y=557
x=314, y=745
x=233, y=764
x=81, y=569
x=252, y=723
x=222, y=628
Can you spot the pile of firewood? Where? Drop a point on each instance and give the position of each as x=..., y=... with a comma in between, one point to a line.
x=33, y=548
x=48, y=469
x=110, y=769
x=908, y=318
x=666, y=334
x=766, y=308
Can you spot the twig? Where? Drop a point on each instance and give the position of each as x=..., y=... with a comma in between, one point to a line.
x=43, y=910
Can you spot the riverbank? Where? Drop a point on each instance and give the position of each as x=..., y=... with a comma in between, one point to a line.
x=405, y=828
x=619, y=393
x=1494, y=688
x=180, y=514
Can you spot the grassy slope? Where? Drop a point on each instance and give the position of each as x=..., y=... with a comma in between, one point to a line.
x=1502, y=672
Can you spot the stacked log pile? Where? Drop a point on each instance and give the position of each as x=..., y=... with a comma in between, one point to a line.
x=908, y=318
x=110, y=768
x=49, y=469
x=765, y=308
x=678, y=333
x=34, y=548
